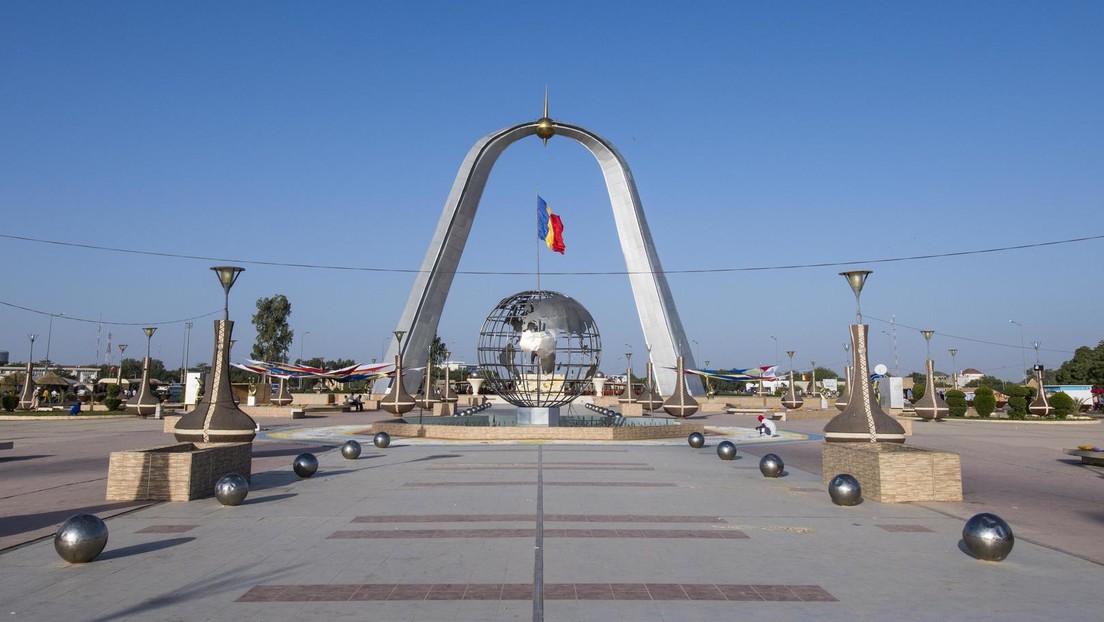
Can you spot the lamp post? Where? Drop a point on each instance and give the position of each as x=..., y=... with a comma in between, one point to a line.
x=1036, y=344
x=930, y=407
x=862, y=419
x=790, y=399
x=628, y=399
x=398, y=401
x=26, y=396
x=954, y=365
x=217, y=418
x=1023, y=355
x=119, y=380
x=50, y=337
x=145, y=404
x=813, y=387
x=775, y=349
x=184, y=361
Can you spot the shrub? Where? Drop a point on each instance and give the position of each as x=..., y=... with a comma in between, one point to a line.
x=984, y=401
x=957, y=401
x=9, y=401
x=1018, y=399
x=112, y=403
x=1063, y=404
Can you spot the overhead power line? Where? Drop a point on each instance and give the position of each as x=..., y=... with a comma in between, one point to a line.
x=826, y=264
x=949, y=336
x=90, y=321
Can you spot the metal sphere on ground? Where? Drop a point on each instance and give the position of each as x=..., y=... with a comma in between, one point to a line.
x=231, y=489
x=771, y=465
x=382, y=440
x=350, y=450
x=305, y=465
x=845, y=490
x=988, y=537
x=726, y=450
x=80, y=538
x=696, y=440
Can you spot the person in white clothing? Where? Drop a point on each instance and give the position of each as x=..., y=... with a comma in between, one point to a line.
x=766, y=426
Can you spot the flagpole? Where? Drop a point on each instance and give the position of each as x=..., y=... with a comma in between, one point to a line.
x=536, y=195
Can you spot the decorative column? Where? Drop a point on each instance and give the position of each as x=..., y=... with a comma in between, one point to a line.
x=650, y=400
x=627, y=396
x=398, y=401
x=1040, y=406
x=426, y=401
x=599, y=383
x=954, y=365
x=862, y=419
x=681, y=404
x=283, y=397
x=145, y=404
x=844, y=397
x=27, y=395
x=791, y=400
x=217, y=418
x=931, y=407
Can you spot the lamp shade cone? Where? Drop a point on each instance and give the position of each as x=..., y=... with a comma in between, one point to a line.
x=931, y=407
x=791, y=400
x=863, y=419
x=216, y=418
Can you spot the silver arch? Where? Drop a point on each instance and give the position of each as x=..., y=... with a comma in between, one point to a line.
x=659, y=318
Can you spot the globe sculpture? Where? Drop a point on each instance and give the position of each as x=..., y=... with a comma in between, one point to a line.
x=771, y=465
x=305, y=465
x=382, y=440
x=845, y=490
x=350, y=450
x=988, y=537
x=538, y=350
x=726, y=450
x=80, y=538
x=696, y=440
x=231, y=489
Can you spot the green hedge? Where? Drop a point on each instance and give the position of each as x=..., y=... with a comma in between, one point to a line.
x=957, y=401
x=984, y=401
x=1063, y=404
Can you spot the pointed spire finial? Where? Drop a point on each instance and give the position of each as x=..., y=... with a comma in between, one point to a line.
x=545, y=129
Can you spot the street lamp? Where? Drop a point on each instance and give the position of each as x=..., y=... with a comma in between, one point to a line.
x=814, y=387
x=775, y=349
x=1036, y=344
x=1023, y=354
x=954, y=365
x=187, y=343
x=628, y=379
x=856, y=279
x=119, y=380
x=145, y=404
x=302, y=344
x=226, y=276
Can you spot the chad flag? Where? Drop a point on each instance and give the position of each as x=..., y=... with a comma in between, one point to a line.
x=549, y=227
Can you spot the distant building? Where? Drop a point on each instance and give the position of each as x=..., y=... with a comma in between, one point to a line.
x=968, y=375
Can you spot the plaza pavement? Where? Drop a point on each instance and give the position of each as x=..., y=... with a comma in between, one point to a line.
x=660, y=531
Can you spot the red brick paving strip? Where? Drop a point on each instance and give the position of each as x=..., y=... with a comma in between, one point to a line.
x=598, y=484
x=167, y=529
x=907, y=528
x=524, y=591
x=517, y=518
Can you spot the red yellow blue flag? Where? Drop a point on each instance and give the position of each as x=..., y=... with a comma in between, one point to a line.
x=549, y=227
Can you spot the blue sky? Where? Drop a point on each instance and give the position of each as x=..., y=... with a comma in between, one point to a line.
x=759, y=134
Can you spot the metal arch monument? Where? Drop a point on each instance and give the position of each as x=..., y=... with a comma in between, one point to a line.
x=659, y=318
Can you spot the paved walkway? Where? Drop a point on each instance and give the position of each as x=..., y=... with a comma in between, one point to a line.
x=554, y=531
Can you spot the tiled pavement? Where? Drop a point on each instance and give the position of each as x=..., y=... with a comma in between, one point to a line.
x=497, y=533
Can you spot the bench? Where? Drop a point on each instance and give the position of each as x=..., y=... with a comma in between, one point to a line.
x=1088, y=456
x=766, y=412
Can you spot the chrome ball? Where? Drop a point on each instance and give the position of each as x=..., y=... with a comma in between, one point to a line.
x=382, y=440
x=988, y=537
x=771, y=465
x=350, y=450
x=696, y=440
x=845, y=490
x=231, y=489
x=726, y=450
x=80, y=538
x=305, y=465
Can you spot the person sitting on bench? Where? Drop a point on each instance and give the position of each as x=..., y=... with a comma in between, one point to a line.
x=767, y=426
x=357, y=403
